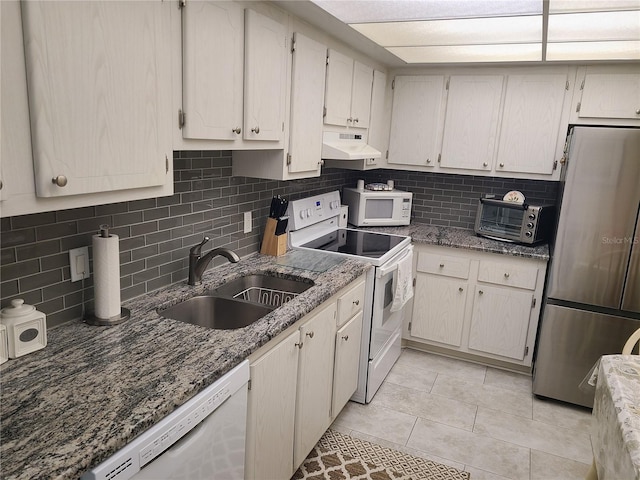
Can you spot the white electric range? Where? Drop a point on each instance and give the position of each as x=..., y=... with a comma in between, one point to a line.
x=314, y=225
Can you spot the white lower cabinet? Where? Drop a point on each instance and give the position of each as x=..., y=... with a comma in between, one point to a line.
x=300, y=381
x=476, y=305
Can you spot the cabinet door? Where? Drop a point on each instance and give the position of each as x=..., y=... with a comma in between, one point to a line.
x=270, y=414
x=307, y=101
x=471, y=122
x=416, y=122
x=438, y=309
x=531, y=123
x=345, y=370
x=315, y=377
x=338, y=88
x=361, y=95
x=265, y=79
x=212, y=67
x=615, y=95
x=99, y=85
x=500, y=321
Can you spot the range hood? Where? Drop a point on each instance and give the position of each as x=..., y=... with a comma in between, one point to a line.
x=346, y=146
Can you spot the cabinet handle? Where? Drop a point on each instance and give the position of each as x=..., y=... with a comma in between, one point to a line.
x=350, y=119
x=238, y=130
x=460, y=289
x=299, y=344
x=480, y=292
x=484, y=164
x=638, y=111
x=502, y=165
x=1, y=184
x=506, y=275
x=428, y=160
x=60, y=180
x=355, y=120
x=356, y=302
x=346, y=338
x=310, y=334
x=442, y=265
x=256, y=130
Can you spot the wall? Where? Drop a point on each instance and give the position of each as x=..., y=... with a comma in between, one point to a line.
x=156, y=234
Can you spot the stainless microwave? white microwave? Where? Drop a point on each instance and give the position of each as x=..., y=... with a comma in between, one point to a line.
x=377, y=208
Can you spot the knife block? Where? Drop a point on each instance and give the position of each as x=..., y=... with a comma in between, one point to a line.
x=273, y=244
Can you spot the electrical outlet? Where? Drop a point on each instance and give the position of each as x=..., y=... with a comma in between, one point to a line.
x=247, y=222
x=79, y=263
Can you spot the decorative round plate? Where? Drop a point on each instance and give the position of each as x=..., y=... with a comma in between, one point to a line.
x=514, y=196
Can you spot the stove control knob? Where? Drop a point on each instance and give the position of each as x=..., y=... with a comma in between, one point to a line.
x=309, y=212
x=530, y=225
x=334, y=204
x=528, y=234
x=532, y=216
x=303, y=213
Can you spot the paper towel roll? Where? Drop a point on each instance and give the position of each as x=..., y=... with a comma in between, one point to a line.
x=106, y=276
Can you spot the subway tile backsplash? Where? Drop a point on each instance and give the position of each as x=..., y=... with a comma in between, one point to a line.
x=156, y=234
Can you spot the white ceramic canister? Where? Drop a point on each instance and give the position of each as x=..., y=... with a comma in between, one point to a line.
x=4, y=347
x=26, y=328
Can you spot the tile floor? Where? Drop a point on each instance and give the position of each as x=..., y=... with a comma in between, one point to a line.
x=475, y=418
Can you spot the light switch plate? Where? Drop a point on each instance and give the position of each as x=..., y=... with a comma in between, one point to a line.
x=79, y=263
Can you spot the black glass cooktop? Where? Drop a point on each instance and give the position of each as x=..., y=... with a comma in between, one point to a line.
x=355, y=242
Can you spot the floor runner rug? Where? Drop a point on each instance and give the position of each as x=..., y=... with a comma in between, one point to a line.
x=340, y=457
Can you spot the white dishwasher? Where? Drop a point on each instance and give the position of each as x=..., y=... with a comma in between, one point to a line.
x=202, y=439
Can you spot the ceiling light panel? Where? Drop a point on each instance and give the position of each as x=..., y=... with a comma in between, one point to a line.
x=476, y=31
x=575, y=6
x=359, y=11
x=583, y=51
x=470, y=53
x=594, y=26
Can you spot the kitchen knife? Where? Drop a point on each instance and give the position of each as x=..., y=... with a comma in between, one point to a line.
x=281, y=226
x=273, y=210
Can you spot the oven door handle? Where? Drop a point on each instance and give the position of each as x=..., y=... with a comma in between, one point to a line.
x=392, y=267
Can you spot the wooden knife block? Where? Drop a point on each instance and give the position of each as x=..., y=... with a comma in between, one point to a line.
x=272, y=244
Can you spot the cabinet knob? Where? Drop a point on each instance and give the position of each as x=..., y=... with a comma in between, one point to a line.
x=502, y=165
x=345, y=338
x=60, y=180
x=638, y=111
x=256, y=130
x=310, y=334
x=480, y=292
x=1, y=184
x=299, y=344
x=506, y=275
x=460, y=289
x=350, y=119
x=428, y=160
x=237, y=130
x=355, y=120
x=356, y=302
x=484, y=164
x=442, y=265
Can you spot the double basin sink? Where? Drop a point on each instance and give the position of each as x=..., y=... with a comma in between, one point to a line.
x=239, y=302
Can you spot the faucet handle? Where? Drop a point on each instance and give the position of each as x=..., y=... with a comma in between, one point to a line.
x=197, y=249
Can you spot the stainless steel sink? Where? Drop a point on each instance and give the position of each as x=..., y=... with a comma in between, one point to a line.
x=216, y=312
x=264, y=289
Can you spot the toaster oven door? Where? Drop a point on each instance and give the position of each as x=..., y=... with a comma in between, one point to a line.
x=503, y=220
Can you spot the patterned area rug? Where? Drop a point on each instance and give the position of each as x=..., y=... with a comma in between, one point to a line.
x=340, y=457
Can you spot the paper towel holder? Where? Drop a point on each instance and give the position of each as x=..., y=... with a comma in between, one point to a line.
x=124, y=312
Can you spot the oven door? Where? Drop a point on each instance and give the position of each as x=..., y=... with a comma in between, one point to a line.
x=500, y=219
x=384, y=322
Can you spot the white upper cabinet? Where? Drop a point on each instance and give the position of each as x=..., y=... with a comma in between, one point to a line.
x=610, y=95
x=213, y=66
x=348, y=91
x=99, y=88
x=416, y=120
x=265, y=82
x=307, y=99
x=471, y=122
x=530, y=137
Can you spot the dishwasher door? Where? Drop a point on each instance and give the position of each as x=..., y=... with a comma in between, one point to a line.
x=212, y=450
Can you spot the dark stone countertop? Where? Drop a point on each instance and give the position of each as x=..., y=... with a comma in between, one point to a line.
x=71, y=405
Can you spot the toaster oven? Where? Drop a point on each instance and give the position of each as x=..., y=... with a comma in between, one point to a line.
x=514, y=222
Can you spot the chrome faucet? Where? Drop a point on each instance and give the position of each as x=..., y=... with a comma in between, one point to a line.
x=198, y=263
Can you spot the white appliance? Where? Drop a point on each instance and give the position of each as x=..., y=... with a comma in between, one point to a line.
x=370, y=208
x=347, y=146
x=26, y=328
x=314, y=225
x=204, y=438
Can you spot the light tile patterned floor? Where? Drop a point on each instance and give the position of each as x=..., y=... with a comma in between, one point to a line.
x=475, y=418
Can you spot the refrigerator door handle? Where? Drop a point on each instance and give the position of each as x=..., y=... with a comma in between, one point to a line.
x=631, y=297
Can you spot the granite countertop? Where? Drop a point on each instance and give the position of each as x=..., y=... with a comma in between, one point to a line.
x=466, y=239
x=92, y=390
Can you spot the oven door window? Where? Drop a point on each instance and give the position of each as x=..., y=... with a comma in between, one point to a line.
x=378, y=208
x=503, y=221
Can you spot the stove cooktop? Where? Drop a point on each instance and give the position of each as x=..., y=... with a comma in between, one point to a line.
x=355, y=242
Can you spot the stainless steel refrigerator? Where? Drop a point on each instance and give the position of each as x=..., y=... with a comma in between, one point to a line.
x=592, y=300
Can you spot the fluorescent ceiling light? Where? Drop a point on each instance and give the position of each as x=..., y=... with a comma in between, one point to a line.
x=575, y=6
x=594, y=26
x=467, y=31
x=469, y=53
x=629, y=50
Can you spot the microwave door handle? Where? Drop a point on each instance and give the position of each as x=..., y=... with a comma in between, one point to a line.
x=387, y=269
x=502, y=203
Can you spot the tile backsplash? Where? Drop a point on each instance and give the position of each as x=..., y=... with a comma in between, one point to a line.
x=156, y=234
